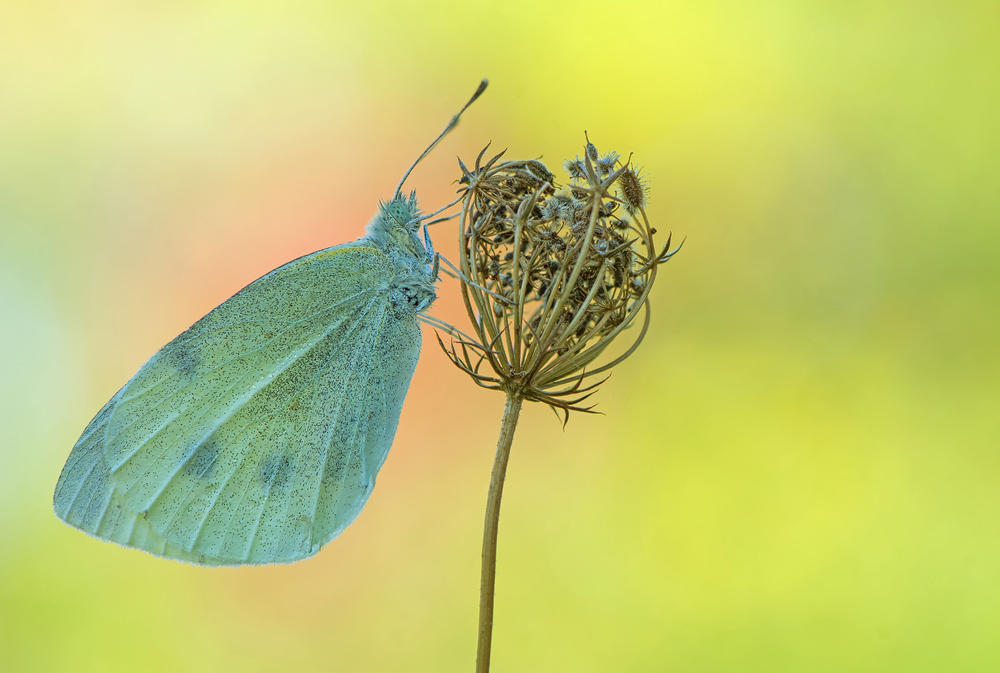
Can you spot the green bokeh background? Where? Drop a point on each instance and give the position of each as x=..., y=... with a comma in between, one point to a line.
x=799, y=469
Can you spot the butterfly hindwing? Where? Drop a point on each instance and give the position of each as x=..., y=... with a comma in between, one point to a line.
x=255, y=436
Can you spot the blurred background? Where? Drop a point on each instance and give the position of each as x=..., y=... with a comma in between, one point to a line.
x=799, y=469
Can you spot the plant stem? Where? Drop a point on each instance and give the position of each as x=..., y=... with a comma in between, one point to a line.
x=488, y=577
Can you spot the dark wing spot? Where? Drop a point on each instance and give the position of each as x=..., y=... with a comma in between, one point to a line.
x=185, y=358
x=200, y=464
x=276, y=471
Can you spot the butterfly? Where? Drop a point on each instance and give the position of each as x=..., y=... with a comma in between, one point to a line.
x=255, y=436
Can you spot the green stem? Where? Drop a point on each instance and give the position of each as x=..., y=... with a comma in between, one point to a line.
x=489, y=571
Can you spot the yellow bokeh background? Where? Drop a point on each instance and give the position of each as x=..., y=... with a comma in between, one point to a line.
x=798, y=470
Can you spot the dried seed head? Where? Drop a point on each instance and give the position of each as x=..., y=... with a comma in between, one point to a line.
x=552, y=274
x=591, y=150
x=607, y=163
x=538, y=169
x=575, y=168
x=633, y=190
x=550, y=210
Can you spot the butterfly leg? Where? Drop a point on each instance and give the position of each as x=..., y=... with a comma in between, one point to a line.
x=436, y=268
x=457, y=273
x=428, y=245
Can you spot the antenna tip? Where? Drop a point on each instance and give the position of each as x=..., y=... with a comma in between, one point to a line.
x=479, y=92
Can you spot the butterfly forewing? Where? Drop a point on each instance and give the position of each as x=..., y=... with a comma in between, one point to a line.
x=255, y=436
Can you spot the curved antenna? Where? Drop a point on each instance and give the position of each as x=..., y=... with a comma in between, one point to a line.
x=449, y=127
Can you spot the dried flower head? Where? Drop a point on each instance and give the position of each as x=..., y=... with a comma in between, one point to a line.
x=552, y=275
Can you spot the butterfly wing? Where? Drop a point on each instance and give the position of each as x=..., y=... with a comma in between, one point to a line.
x=255, y=436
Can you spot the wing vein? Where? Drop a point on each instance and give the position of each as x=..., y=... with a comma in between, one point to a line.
x=232, y=518
x=209, y=371
x=326, y=444
x=333, y=425
x=182, y=463
x=230, y=325
x=79, y=488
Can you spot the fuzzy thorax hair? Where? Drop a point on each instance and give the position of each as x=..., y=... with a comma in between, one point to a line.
x=396, y=225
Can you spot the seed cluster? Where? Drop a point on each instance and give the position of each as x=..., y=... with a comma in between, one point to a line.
x=552, y=273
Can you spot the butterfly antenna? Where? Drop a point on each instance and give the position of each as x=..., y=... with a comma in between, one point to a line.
x=449, y=127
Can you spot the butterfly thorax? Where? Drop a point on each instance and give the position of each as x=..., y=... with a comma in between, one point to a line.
x=394, y=231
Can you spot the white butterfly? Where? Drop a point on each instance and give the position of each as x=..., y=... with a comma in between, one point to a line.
x=255, y=436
